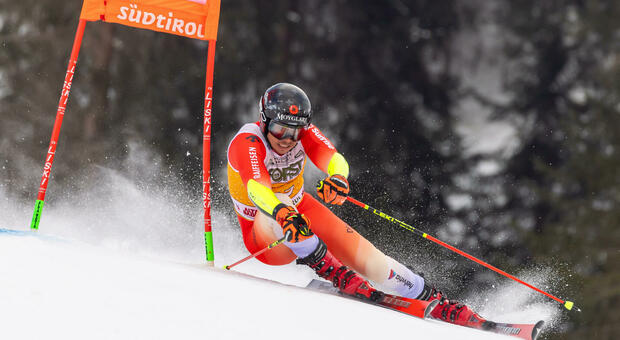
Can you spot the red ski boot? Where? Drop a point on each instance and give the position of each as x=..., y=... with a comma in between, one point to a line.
x=450, y=311
x=330, y=268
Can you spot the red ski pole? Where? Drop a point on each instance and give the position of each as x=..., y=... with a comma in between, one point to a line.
x=251, y=256
x=60, y=113
x=567, y=304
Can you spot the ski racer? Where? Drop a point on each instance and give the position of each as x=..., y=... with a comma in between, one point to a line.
x=266, y=162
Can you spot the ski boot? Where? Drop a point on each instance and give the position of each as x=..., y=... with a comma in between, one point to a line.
x=347, y=281
x=450, y=311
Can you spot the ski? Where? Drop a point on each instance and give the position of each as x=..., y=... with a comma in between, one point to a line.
x=521, y=331
x=422, y=309
x=524, y=331
x=418, y=308
x=413, y=307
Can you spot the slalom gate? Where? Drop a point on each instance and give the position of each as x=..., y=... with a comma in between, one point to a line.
x=195, y=19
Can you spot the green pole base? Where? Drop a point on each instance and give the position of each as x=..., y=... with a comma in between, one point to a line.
x=36, y=215
x=209, y=246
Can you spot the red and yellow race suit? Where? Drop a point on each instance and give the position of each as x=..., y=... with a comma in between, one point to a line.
x=256, y=173
x=251, y=158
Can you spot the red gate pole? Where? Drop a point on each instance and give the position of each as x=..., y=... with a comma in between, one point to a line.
x=206, y=154
x=62, y=106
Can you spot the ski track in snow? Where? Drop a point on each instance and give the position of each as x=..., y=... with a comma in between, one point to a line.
x=121, y=261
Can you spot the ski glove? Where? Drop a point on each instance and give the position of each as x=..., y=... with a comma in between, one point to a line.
x=296, y=226
x=334, y=189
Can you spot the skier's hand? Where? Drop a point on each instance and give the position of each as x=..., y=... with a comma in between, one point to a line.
x=296, y=226
x=334, y=189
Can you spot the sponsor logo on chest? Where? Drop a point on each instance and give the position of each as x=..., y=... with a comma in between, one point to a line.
x=286, y=167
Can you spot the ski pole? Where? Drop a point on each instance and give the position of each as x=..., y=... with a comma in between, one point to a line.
x=251, y=256
x=567, y=304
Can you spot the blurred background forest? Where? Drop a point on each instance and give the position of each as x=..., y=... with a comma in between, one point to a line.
x=490, y=124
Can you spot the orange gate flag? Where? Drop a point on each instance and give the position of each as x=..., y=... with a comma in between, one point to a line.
x=197, y=19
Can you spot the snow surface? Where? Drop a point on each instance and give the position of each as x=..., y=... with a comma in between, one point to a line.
x=54, y=289
x=120, y=260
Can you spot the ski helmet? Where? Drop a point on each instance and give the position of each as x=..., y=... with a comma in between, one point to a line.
x=285, y=104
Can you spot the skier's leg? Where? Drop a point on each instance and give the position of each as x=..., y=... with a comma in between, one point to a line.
x=327, y=266
x=264, y=230
x=260, y=233
x=312, y=252
x=358, y=253
x=449, y=310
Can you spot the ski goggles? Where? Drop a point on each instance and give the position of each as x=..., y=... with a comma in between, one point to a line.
x=283, y=132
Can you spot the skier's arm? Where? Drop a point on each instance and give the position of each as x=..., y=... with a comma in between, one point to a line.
x=338, y=166
x=247, y=156
x=264, y=198
x=323, y=153
x=335, y=188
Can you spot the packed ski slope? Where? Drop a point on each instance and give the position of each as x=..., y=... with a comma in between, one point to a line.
x=54, y=289
x=121, y=261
